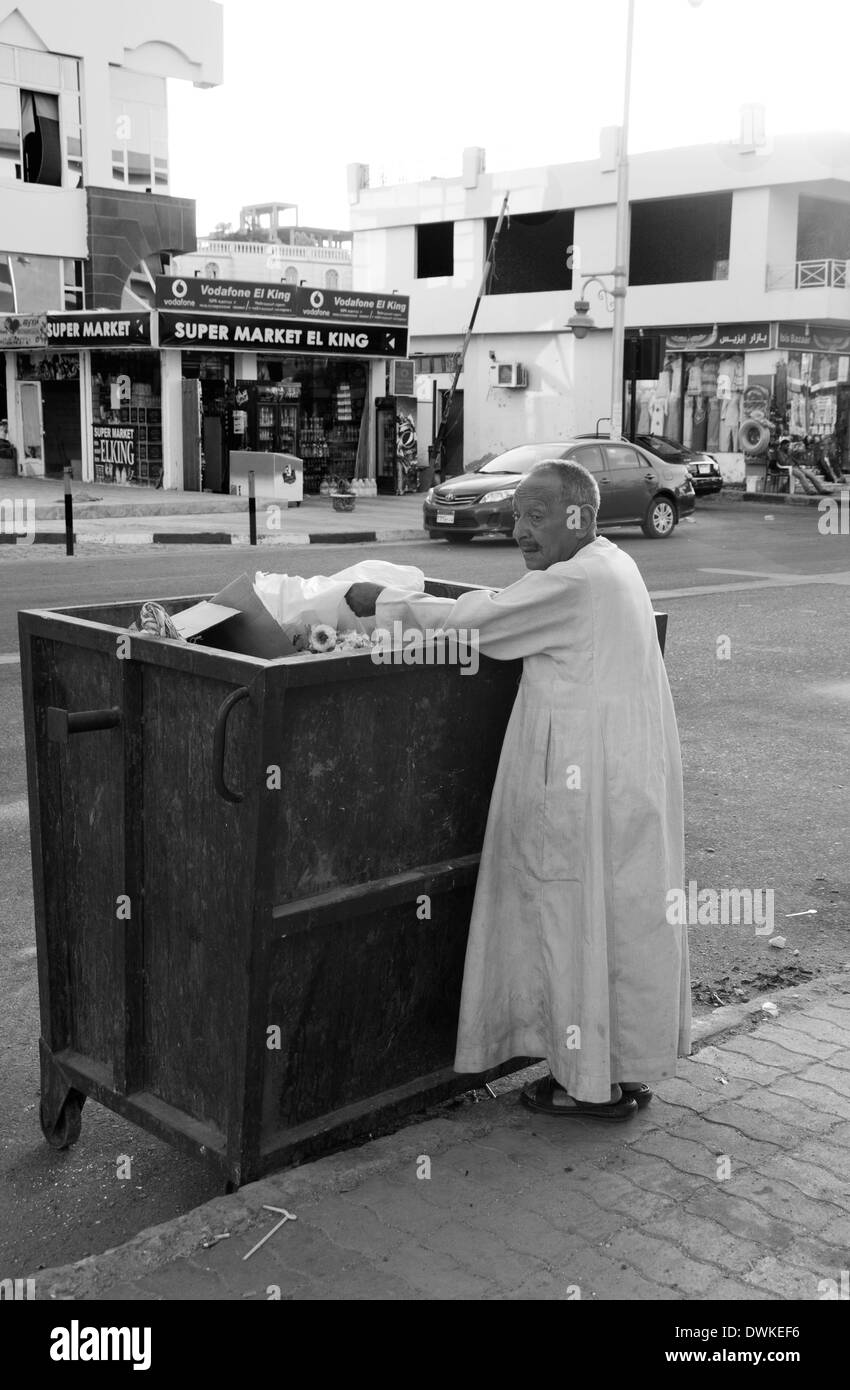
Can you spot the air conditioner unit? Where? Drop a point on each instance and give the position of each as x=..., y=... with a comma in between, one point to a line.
x=511, y=375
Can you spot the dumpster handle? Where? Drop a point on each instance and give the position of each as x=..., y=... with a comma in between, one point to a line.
x=219, y=741
x=61, y=723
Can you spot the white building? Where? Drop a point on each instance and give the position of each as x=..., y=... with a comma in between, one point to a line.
x=86, y=222
x=270, y=246
x=739, y=263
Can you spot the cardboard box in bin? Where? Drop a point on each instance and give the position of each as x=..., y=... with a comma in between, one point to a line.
x=235, y=620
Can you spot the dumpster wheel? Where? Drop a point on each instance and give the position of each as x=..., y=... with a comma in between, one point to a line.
x=65, y=1130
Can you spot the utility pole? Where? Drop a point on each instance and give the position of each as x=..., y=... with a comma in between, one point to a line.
x=621, y=248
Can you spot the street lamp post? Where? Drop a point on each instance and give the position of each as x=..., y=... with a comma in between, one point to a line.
x=621, y=247
x=580, y=322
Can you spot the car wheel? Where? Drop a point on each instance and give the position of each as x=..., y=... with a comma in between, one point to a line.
x=460, y=539
x=660, y=519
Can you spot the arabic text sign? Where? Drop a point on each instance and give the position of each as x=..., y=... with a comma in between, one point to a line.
x=294, y=336
x=23, y=330
x=743, y=335
x=283, y=301
x=719, y=337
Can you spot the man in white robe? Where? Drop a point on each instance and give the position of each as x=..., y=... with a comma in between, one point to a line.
x=571, y=955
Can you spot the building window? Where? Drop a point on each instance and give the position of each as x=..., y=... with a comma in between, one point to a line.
x=40, y=118
x=332, y=280
x=73, y=291
x=677, y=241
x=290, y=275
x=8, y=299
x=435, y=250
x=40, y=143
x=823, y=229
x=532, y=253
x=140, y=130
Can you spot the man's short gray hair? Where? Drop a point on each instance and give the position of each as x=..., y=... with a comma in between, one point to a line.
x=578, y=487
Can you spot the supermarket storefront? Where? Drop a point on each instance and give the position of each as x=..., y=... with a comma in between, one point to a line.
x=159, y=399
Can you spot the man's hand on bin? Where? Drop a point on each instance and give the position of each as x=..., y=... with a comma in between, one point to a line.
x=361, y=599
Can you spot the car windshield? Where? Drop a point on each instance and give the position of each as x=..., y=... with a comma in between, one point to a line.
x=523, y=459
x=665, y=447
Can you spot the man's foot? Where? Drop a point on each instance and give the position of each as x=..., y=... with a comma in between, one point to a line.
x=547, y=1097
x=638, y=1091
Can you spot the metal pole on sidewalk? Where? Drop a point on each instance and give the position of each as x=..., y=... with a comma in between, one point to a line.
x=252, y=508
x=69, y=514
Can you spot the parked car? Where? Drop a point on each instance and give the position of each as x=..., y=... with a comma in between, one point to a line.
x=703, y=468
x=634, y=486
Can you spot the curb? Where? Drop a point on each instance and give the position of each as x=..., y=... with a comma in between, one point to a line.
x=184, y=1235
x=239, y=538
x=781, y=499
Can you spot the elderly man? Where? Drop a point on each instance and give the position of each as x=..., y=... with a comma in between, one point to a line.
x=571, y=955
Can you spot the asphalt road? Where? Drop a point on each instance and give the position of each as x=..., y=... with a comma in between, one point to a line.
x=766, y=747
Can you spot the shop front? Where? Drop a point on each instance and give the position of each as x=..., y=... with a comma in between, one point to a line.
x=127, y=418
x=83, y=393
x=699, y=398
x=298, y=379
x=812, y=386
x=716, y=381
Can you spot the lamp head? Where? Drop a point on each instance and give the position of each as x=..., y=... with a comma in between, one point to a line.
x=580, y=322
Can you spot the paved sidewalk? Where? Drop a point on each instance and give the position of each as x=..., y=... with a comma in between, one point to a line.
x=733, y=1184
x=136, y=516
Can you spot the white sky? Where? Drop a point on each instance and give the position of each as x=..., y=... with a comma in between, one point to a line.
x=313, y=85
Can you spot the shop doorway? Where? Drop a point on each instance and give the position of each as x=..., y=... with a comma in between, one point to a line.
x=29, y=397
x=62, y=435
x=453, y=435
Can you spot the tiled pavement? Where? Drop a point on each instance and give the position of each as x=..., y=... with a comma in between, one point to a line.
x=733, y=1184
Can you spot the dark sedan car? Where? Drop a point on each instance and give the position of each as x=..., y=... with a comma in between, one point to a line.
x=703, y=468
x=634, y=488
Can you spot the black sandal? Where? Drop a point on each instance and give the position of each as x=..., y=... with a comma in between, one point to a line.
x=539, y=1097
x=641, y=1094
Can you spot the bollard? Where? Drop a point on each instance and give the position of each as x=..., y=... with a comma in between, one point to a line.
x=252, y=508
x=69, y=514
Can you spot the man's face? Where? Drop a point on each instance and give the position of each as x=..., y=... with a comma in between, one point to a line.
x=545, y=528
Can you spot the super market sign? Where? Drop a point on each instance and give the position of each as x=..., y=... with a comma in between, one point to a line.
x=291, y=335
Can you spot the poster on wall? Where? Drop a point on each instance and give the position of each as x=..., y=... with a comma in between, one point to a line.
x=114, y=453
x=23, y=330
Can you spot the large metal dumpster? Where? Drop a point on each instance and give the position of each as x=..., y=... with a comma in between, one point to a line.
x=231, y=860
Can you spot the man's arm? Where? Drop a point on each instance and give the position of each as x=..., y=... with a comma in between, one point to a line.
x=540, y=612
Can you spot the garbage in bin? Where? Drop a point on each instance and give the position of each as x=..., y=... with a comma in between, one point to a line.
x=287, y=596
x=280, y=614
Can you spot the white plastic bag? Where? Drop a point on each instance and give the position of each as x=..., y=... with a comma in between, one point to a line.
x=288, y=597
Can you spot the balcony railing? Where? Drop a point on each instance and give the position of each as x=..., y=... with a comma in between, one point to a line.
x=827, y=274
x=274, y=251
